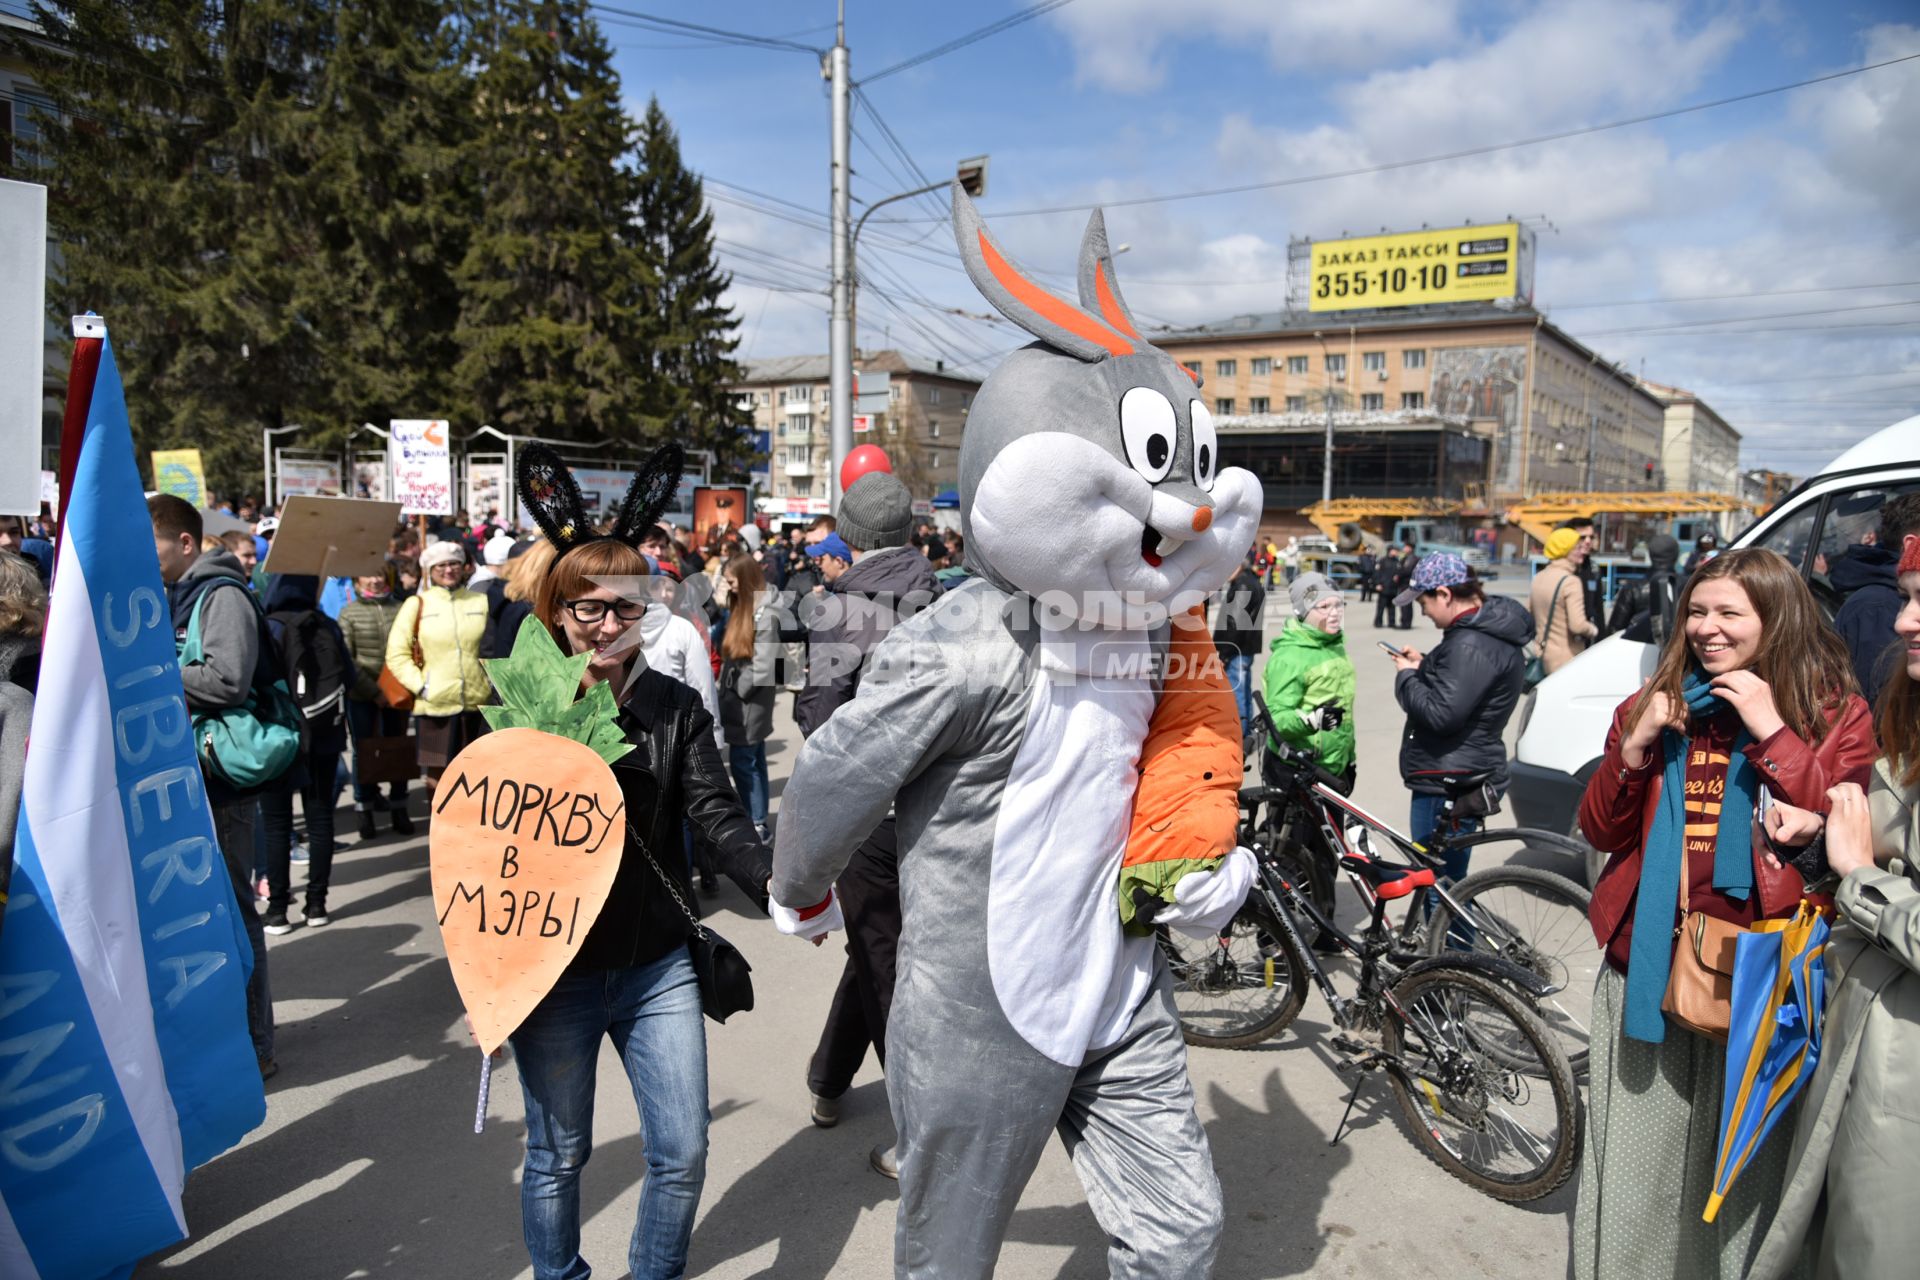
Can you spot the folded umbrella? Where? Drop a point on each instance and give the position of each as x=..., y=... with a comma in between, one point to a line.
x=1773, y=1036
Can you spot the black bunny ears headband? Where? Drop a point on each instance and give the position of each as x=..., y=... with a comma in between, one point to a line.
x=549, y=493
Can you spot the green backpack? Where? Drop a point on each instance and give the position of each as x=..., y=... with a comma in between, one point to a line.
x=251, y=745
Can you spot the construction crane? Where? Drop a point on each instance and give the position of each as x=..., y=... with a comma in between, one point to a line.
x=1328, y=516
x=1539, y=515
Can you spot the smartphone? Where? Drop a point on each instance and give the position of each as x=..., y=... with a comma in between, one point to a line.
x=1396, y=652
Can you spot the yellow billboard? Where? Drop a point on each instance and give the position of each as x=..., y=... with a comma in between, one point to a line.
x=1414, y=268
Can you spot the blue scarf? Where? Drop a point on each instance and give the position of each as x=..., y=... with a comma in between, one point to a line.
x=1662, y=862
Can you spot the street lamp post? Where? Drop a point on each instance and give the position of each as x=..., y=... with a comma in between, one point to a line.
x=971, y=174
x=266, y=459
x=1326, y=461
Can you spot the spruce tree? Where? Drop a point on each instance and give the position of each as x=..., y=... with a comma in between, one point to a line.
x=692, y=332
x=178, y=182
x=550, y=330
x=393, y=126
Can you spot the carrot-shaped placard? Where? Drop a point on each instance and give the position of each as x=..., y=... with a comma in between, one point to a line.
x=528, y=828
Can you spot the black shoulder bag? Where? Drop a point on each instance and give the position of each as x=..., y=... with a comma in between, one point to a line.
x=725, y=977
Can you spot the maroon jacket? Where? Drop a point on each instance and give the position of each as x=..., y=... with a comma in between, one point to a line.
x=1618, y=810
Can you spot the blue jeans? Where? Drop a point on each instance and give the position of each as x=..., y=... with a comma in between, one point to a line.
x=1425, y=820
x=749, y=766
x=652, y=1014
x=1240, y=680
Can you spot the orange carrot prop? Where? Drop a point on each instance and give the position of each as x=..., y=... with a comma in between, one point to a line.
x=1186, y=811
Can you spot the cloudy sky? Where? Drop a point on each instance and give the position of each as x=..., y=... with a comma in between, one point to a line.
x=1765, y=253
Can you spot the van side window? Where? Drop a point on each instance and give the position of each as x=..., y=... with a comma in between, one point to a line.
x=1854, y=515
x=1791, y=536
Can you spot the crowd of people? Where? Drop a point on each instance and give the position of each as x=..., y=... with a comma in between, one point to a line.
x=1749, y=773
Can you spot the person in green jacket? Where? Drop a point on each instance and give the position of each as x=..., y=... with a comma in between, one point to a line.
x=1309, y=681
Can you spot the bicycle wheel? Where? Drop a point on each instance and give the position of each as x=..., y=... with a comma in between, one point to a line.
x=1538, y=921
x=1484, y=1087
x=1240, y=987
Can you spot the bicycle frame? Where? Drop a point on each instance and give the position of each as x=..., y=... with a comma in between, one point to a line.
x=1374, y=944
x=1325, y=803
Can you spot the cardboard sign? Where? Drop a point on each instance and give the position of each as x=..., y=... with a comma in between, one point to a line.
x=422, y=466
x=528, y=830
x=332, y=537
x=179, y=472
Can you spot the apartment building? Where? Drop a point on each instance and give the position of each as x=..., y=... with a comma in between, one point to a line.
x=920, y=428
x=1699, y=452
x=1555, y=416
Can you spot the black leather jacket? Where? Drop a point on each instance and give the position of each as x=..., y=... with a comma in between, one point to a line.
x=672, y=776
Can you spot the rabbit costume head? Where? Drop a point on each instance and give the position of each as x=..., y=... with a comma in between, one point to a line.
x=1090, y=473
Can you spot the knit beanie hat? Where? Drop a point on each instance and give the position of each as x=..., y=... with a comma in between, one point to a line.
x=1910, y=554
x=1308, y=590
x=876, y=511
x=1561, y=541
x=445, y=551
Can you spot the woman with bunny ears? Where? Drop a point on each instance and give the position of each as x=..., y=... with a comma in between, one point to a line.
x=633, y=981
x=1005, y=725
x=1855, y=1162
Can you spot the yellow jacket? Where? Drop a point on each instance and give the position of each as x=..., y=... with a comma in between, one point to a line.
x=450, y=626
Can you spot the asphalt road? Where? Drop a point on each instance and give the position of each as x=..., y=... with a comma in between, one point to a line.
x=367, y=1164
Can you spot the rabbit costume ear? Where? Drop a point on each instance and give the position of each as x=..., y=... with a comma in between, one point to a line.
x=651, y=491
x=1099, y=290
x=550, y=495
x=1058, y=324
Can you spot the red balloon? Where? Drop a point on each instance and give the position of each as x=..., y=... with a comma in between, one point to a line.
x=865, y=458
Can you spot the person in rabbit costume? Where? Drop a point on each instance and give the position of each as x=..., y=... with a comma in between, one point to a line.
x=1005, y=725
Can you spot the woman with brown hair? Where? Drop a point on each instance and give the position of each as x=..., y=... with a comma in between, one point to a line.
x=748, y=649
x=1848, y=1205
x=1753, y=696
x=633, y=981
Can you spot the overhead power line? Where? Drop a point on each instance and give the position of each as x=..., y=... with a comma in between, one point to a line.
x=960, y=42
x=1464, y=154
x=1771, y=315
x=718, y=35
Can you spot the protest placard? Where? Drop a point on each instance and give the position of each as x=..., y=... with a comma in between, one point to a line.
x=180, y=473
x=528, y=829
x=422, y=466
x=332, y=537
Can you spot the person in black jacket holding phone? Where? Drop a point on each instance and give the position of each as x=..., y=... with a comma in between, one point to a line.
x=1458, y=698
x=633, y=980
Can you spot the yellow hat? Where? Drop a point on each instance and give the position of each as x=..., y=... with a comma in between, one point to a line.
x=1561, y=541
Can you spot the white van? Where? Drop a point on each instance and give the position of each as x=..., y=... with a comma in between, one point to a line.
x=1563, y=727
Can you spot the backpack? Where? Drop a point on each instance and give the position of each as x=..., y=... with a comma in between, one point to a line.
x=318, y=671
x=250, y=746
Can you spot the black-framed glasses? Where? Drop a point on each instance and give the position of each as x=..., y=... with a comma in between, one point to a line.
x=592, y=611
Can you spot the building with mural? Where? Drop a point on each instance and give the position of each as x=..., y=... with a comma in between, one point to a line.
x=1547, y=413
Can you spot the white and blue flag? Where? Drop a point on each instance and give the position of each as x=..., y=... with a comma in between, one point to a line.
x=124, y=1054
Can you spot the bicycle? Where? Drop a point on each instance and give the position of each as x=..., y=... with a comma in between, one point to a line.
x=1486, y=1090
x=1531, y=917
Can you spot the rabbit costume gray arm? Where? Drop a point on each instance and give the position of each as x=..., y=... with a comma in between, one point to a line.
x=1005, y=723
